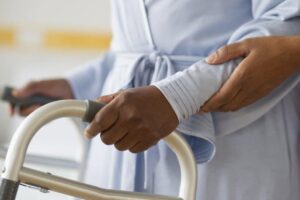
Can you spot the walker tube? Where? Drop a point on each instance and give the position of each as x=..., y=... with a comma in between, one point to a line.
x=84, y=110
x=80, y=190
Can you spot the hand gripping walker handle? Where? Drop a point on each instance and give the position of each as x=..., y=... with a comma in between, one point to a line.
x=14, y=172
x=27, y=101
x=9, y=188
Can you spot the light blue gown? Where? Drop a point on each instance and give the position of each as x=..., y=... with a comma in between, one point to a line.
x=249, y=154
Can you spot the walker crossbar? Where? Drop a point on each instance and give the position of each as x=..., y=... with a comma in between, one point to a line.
x=14, y=173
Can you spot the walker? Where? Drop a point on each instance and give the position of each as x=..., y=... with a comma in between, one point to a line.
x=14, y=174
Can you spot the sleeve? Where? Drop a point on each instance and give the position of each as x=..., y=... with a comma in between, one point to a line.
x=186, y=91
x=87, y=81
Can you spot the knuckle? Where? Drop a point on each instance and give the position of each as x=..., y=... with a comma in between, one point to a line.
x=248, y=43
x=135, y=121
x=125, y=102
x=125, y=96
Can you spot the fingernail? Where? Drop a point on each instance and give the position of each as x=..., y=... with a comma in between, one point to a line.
x=211, y=58
x=88, y=134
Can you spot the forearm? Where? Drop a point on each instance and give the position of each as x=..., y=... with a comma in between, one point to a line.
x=294, y=42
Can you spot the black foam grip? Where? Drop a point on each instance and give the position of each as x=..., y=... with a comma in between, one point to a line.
x=93, y=108
x=8, y=189
x=28, y=101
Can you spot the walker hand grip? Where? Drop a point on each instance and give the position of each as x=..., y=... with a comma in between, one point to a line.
x=8, y=189
x=92, y=109
x=25, y=102
x=15, y=172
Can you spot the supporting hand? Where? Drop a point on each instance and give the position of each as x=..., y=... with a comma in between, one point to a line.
x=268, y=62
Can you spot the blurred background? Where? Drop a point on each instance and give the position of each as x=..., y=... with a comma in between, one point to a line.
x=44, y=39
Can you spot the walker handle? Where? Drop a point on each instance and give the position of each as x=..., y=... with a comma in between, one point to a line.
x=92, y=109
x=14, y=172
x=8, y=189
x=6, y=95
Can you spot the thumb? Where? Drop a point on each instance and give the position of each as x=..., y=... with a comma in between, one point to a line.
x=227, y=53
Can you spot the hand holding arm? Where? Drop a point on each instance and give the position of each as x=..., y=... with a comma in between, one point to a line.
x=268, y=62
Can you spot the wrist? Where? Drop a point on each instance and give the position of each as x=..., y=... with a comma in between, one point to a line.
x=162, y=99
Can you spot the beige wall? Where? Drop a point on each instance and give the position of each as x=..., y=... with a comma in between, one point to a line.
x=55, y=24
x=63, y=14
x=23, y=26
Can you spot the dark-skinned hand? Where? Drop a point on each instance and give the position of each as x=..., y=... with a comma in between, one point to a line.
x=56, y=88
x=268, y=61
x=133, y=119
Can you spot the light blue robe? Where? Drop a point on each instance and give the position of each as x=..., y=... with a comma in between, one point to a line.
x=252, y=152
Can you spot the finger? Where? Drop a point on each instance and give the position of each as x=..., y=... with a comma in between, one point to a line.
x=29, y=89
x=103, y=120
x=140, y=147
x=127, y=142
x=250, y=100
x=25, y=111
x=108, y=98
x=227, y=53
x=231, y=87
x=242, y=99
x=114, y=134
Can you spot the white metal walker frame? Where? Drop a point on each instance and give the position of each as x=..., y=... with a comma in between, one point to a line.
x=14, y=174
